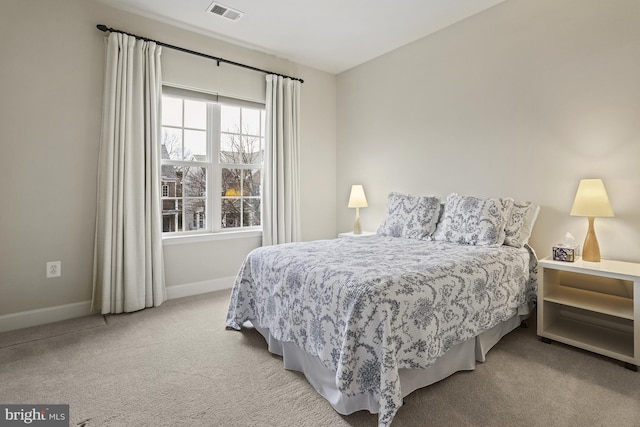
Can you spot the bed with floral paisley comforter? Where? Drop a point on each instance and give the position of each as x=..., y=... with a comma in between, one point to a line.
x=369, y=307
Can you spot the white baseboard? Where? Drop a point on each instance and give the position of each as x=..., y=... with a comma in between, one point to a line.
x=197, y=288
x=42, y=316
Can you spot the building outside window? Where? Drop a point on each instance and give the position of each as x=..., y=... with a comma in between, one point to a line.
x=212, y=160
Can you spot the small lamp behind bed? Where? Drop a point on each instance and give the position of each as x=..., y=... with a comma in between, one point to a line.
x=357, y=200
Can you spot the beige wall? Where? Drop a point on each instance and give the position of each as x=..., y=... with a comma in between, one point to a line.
x=51, y=77
x=522, y=100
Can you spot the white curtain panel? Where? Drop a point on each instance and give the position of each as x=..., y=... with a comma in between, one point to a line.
x=281, y=198
x=128, y=262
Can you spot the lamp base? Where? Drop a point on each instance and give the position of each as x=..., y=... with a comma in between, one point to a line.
x=591, y=249
x=357, y=229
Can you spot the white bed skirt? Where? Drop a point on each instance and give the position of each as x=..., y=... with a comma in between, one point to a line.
x=461, y=357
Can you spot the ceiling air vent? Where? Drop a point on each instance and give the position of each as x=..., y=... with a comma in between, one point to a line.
x=225, y=11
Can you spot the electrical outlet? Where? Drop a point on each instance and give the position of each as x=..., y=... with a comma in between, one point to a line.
x=54, y=269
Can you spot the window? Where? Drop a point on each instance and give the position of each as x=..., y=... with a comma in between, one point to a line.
x=212, y=155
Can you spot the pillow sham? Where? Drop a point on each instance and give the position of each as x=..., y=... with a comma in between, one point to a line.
x=410, y=217
x=520, y=224
x=474, y=221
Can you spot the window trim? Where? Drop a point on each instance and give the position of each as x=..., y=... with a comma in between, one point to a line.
x=198, y=95
x=192, y=237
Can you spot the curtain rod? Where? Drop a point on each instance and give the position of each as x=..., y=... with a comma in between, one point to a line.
x=104, y=28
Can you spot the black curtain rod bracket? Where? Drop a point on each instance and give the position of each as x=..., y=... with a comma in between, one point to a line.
x=218, y=60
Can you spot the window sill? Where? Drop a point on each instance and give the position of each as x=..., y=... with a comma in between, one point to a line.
x=209, y=237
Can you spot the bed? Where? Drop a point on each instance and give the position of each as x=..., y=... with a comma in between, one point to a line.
x=369, y=320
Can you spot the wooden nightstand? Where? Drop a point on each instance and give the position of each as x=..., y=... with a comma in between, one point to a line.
x=350, y=234
x=593, y=306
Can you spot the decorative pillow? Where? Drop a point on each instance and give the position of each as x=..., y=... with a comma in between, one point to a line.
x=474, y=221
x=520, y=224
x=410, y=217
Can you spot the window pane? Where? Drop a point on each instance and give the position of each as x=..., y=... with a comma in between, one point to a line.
x=251, y=182
x=231, y=179
x=230, y=213
x=195, y=145
x=263, y=121
x=195, y=182
x=240, y=149
x=194, y=214
x=250, y=121
x=167, y=224
x=171, y=143
x=229, y=119
x=195, y=114
x=171, y=215
x=171, y=111
x=250, y=212
x=183, y=207
x=251, y=150
x=230, y=148
x=169, y=178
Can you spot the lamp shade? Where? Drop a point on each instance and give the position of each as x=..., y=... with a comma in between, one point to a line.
x=357, y=198
x=591, y=200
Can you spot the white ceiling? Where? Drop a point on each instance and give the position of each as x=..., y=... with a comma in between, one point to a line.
x=329, y=35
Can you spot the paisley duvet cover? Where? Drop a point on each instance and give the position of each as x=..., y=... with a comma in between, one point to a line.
x=369, y=306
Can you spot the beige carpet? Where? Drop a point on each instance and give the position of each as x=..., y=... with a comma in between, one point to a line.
x=176, y=365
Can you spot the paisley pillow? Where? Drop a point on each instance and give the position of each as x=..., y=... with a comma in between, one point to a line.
x=474, y=221
x=410, y=217
x=520, y=224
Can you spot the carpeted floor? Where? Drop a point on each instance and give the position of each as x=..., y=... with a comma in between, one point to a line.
x=176, y=365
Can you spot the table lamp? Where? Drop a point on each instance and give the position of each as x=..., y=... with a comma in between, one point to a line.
x=357, y=200
x=591, y=201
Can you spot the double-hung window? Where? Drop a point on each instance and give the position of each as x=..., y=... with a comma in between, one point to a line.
x=212, y=156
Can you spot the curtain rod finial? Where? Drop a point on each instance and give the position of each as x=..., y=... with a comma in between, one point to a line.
x=102, y=27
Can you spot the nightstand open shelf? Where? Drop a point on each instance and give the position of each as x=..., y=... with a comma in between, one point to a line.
x=593, y=306
x=612, y=305
x=602, y=340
